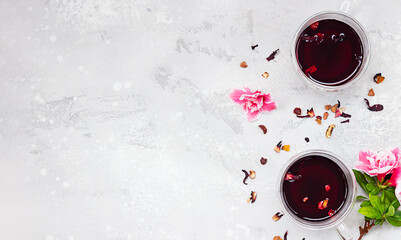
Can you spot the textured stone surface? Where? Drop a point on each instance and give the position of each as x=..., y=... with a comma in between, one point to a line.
x=115, y=121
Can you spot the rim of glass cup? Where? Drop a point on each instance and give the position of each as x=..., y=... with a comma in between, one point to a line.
x=348, y=20
x=345, y=210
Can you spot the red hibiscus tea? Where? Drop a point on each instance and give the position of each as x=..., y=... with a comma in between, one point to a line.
x=315, y=188
x=329, y=52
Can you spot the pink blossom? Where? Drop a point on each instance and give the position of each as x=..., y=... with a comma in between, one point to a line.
x=253, y=102
x=395, y=181
x=379, y=164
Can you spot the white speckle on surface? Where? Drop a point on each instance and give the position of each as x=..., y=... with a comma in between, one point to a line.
x=43, y=172
x=66, y=184
x=81, y=68
x=52, y=38
x=39, y=99
x=108, y=228
x=60, y=58
x=117, y=86
x=127, y=84
x=49, y=237
x=71, y=237
x=57, y=179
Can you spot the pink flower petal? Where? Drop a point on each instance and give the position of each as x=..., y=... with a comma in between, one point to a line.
x=268, y=107
x=395, y=177
x=236, y=95
x=398, y=191
x=252, y=115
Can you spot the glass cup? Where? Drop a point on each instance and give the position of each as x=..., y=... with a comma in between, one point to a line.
x=337, y=221
x=343, y=17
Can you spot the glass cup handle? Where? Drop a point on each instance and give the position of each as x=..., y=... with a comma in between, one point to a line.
x=344, y=5
x=343, y=232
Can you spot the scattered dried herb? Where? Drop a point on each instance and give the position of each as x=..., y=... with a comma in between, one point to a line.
x=311, y=70
x=311, y=113
x=306, y=139
x=330, y=130
x=345, y=115
x=304, y=116
x=327, y=188
x=345, y=121
x=338, y=104
x=327, y=107
x=323, y=204
x=331, y=212
x=334, y=108
x=264, y=129
x=366, y=227
x=272, y=55
x=286, y=148
x=291, y=178
x=305, y=199
x=285, y=235
x=243, y=65
x=297, y=111
x=374, y=108
x=319, y=120
x=378, y=78
x=371, y=93
x=252, y=199
x=246, y=177
x=277, y=216
x=252, y=174
x=254, y=46
x=265, y=75
x=277, y=238
x=325, y=115
x=278, y=147
x=263, y=161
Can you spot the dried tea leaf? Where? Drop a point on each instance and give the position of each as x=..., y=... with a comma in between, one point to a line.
x=277, y=216
x=325, y=115
x=263, y=161
x=297, y=111
x=246, y=177
x=378, y=78
x=272, y=55
x=374, y=108
x=265, y=75
x=264, y=129
x=243, y=65
x=254, y=46
x=371, y=92
x=330, y=130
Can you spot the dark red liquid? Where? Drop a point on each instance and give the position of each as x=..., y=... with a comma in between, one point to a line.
x=334, y=48
x=314, y=173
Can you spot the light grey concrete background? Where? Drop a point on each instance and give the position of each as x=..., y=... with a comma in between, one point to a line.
x=115, y=120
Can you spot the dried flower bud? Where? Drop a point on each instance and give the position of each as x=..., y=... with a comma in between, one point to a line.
x=325, y=115
x=286, y=148
x=277, y=216
x=265, y=75
x=243, y=65
x=330, y=130
x=371, y=92
x=252, y=174
x=264, y=129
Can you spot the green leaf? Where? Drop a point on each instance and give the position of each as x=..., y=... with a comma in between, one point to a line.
x=387, y=203
x=390, y=189
x=397, y=215
x=390, y=211
x=361, y=198
x=366, y=204
x=376, y=203
x=369, y=178
x=383, y=196
x=375, y=191
x=393, y=221
x=360, y=178
x=393, y=199
x=379, y=221
x=370, y=186
x=370, y=212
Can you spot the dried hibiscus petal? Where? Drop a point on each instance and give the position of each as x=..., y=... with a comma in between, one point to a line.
x=297, y=111
x=374, y=108
x=254, y=46
x=318, y=120
x=246, y=177
x=311, y=113
x=252, y=174
x=264, y=129
x=378, y=78
x=277, y=216
x=371, y=93
x=307, y=139
x=263, y=161
x=278, y=146
x=253, y=196
x=272, y=55
x=345, y=121
x=345, y=115
x=311, y=70
x=327, y=188
x=314, y=26
x=334, y=108
x=330, y=130
x=323, y=204
x=243, y=65
x=331, y=212
x=285, y=235
x=327, y=107
x=291, y=178
x=305, y=199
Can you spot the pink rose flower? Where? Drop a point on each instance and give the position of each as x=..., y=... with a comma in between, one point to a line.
x=395, y=181
x=379, y=164
x=253, y=102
